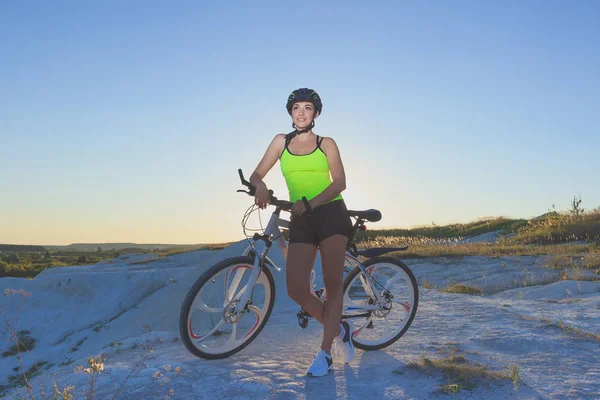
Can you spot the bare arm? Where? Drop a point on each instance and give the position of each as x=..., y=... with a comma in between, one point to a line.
x=338, y=176
x=269, y=159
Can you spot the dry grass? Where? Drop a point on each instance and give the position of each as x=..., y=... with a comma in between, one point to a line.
x=22, y=379
x=428, y=284
x=464, y=289
x=589, y=262
x=539, y=236
x=571, y=329
x=514, y=374
x=160, y=255
x=421, y=247
x=558, y=227
x=451, y=231
x=147, y=261
x=181, y=250
x=459, y=373
x=216, y=246
x=25, y=343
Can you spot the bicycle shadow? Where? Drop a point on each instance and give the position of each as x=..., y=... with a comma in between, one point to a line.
x=380, y=375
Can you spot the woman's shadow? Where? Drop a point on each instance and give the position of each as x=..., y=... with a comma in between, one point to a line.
x=368, y=378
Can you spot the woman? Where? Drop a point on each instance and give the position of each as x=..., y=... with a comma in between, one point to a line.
x=312, y=168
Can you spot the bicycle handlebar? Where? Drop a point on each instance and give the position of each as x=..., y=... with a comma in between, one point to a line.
x=283, y=204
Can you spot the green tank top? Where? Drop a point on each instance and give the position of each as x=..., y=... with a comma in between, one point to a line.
x=306, y=175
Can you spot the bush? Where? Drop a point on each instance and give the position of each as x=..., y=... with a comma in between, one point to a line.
x=12, y=258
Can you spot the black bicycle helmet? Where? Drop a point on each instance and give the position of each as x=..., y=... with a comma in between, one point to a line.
x=304, y=94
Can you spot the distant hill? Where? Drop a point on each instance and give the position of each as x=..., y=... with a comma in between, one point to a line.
x=114, y=246
x=19, y=248
x=92, y=247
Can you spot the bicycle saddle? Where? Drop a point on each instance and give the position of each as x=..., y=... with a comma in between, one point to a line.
x=370, y=215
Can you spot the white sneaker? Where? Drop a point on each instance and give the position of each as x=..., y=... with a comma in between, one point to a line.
x=321, y=365
x=343, y=343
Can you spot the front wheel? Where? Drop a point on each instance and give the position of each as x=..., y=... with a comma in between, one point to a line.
x=389, y=319
x=206, y=327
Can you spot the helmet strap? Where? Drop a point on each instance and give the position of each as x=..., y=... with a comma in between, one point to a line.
x=308, y=128
x=295, y=132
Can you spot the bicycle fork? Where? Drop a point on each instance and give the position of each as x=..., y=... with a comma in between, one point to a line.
x=245, y=294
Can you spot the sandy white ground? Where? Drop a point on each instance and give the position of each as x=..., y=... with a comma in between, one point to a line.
x=115, y=308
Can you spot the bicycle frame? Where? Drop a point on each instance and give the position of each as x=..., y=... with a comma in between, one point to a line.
x=272, y=232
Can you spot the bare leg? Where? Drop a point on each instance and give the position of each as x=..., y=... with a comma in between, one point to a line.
x=299, y=264
x=283, y=246
x=333, y=250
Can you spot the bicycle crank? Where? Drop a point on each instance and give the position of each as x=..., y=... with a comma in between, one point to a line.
x=385, y=307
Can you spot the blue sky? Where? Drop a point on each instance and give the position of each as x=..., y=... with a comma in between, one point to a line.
x=127, y=121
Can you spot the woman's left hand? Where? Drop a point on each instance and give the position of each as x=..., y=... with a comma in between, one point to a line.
x=298, y=208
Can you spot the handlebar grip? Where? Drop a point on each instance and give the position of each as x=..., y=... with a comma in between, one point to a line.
x=307, y=205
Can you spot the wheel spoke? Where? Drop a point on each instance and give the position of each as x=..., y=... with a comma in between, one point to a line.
x=257, y=312
x=404, y=304
x=367, y=287
x=203, y=307
x=359, y=304
x=212, y=331
x=229, y=292
x=237, y=296
x=255, y=309
x=349, y=301
x=359, y=330
x=233, y=334
x=393, y=280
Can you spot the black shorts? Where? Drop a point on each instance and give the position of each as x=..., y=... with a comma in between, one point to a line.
x=327, y=220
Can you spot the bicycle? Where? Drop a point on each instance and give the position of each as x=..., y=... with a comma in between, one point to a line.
x=238, y=293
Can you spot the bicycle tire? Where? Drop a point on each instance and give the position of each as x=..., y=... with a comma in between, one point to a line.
x=387, y=260
x=184, y=325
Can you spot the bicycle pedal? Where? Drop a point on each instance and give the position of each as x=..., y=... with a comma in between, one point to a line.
x=370, y=326
x=302, y=319
x=319, y=293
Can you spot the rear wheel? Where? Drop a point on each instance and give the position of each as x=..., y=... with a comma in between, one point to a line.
x=207, y=327
x=397, y=288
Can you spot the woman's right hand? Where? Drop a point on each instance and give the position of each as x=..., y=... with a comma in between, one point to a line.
x=262, y=195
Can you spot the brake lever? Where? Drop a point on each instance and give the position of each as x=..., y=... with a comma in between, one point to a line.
x=252, y=189
x=244, y=181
